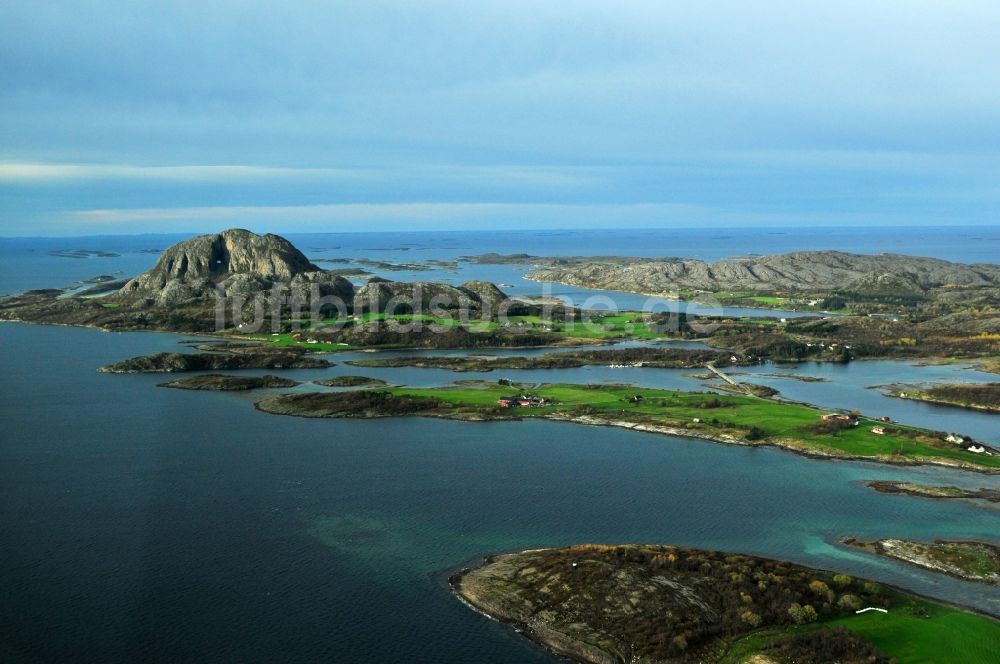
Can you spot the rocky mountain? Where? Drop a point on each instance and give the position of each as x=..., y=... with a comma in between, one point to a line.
x=799, y=271
x=238, y=261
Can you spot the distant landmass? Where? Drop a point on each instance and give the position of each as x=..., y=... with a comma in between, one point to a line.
x=886, y=305
x=802, y=270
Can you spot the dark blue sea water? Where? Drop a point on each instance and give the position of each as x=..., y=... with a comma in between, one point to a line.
x=147, y=524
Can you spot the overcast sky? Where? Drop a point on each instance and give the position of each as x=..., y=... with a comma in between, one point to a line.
x=141, y=116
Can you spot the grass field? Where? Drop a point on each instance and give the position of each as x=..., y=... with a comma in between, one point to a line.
x=920, y=632
x=773, y=420
x=914, y=631
x=619, y=326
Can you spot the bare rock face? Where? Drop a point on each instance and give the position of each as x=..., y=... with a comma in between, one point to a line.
x=485, y=292
x=241, y=262
x=804, y=270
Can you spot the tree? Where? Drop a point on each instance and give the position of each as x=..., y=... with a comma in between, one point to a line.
x=818, y=587
x=842, y=580
x=801, y=614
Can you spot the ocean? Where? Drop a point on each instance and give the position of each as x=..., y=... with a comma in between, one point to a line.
x=148, y=524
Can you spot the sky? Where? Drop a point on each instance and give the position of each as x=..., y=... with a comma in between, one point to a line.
x=133, y=117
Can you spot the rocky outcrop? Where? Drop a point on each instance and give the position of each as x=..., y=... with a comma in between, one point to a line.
x=803, y=270
x=235, y=262
x=964, y=559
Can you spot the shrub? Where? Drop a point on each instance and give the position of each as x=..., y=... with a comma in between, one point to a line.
x=849, y=602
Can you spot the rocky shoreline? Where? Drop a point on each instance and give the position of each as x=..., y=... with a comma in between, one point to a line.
x=968, y=560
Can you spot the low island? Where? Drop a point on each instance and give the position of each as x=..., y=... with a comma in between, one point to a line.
x=935, y=492
x=727, y=418
x=222, y=383
x=663, y=605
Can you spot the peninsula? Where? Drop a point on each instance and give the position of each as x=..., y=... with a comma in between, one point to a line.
x=671, y=605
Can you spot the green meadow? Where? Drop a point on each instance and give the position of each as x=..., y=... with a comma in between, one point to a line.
x=626, y=325
x=767, y=419
x=914, y=631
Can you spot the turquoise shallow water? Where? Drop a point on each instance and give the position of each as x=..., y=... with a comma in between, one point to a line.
x=161, y=525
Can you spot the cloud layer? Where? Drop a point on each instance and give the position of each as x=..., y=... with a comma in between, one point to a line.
x=718, y=112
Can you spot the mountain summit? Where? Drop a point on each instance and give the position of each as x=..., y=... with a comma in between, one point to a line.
x=239, y=261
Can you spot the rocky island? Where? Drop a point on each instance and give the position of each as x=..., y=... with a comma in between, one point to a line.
x=240, y=283
x=664, y=605
x=891, y=305
x=936, y=492
x=972, y=561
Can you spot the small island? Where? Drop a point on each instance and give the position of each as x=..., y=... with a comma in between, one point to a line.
x=351, y=381
x=974, y=396
x=936, y=492
x=739, y=419
x=664, y=605
x=222, y=383
x=972, y=561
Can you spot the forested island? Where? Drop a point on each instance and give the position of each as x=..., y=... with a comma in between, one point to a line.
x=662, y=604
